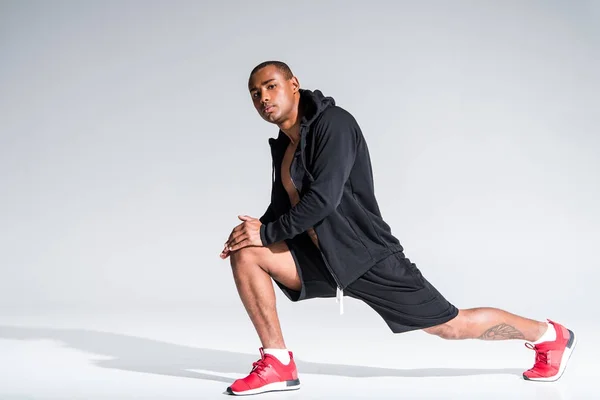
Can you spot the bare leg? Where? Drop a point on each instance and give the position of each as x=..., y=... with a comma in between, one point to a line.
x=488, y=323
x=253, y=268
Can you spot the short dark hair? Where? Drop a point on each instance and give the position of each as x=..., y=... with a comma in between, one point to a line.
x=281, y=66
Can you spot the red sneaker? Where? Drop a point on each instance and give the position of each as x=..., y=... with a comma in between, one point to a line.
x=267, y=375
x=551, y=357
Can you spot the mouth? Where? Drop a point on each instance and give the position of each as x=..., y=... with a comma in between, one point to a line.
x=268, y=109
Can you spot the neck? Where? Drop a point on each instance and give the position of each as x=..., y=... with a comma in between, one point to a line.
x=293, y=133
x=291, y=127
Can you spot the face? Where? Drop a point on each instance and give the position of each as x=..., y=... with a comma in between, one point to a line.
x=274, y=97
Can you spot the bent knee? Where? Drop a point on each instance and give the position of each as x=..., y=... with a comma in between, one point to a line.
x=250, y=258
x=444, y=331
x=244, y=256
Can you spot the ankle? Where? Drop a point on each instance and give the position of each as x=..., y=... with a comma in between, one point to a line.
x=546, y=333
x=281, y=354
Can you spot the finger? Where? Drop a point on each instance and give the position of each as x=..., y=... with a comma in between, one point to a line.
x=237, y=240
x=245, y=217
x=240, y=245
x=236, y=233
x=233, y=231
x=237, y=237
x=225, y=252
x=238, y=228
x=243, y=229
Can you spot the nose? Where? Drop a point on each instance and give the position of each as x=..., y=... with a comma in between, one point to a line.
x=264, y=98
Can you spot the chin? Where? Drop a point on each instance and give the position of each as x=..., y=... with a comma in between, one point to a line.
x=272, y=118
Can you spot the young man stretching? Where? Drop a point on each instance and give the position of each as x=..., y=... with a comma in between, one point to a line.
x=323, y=235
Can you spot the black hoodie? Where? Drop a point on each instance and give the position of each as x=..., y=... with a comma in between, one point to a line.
x=332, y=172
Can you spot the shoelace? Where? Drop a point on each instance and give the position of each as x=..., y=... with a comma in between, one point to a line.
x=541, y=357
x=258, y=367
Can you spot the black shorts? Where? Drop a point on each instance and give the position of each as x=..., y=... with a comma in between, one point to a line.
x=394, y=288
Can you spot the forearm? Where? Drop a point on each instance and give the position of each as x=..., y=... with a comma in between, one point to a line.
x=313, y=208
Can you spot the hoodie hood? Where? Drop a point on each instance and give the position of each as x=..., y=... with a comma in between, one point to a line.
x=313, y=103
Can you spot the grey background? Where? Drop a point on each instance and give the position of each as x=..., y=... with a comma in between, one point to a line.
x=129, y=144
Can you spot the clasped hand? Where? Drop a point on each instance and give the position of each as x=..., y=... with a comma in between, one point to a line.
x=245, y=234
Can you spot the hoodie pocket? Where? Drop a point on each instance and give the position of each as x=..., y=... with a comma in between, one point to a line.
x=353, y=231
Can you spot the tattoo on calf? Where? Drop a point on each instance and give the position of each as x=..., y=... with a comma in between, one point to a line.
x=502, y=332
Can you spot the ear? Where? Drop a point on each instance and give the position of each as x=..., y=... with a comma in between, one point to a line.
x=295, y=84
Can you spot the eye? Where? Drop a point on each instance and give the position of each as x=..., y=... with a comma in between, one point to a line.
x=271, y=86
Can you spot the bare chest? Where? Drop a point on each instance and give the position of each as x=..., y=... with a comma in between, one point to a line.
x=286, y=179
x=289, y=186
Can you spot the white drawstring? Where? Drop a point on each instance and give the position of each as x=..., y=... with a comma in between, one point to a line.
x=339, y=298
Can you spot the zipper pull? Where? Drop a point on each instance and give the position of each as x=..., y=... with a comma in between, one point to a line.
x=339, y=298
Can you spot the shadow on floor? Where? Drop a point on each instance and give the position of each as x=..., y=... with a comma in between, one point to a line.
x=131, y=353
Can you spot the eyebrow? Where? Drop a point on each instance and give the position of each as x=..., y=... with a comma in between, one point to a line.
x=263, y=83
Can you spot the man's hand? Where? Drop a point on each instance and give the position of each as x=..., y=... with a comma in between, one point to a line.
x=245, y=234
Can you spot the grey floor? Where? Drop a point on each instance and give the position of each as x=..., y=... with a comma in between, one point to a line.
x=195, y=354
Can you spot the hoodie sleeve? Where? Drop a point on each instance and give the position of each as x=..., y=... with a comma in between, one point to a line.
x=268, y=215
x=336, y=137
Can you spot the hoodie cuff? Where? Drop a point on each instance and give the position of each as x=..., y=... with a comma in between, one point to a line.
x=263, y=235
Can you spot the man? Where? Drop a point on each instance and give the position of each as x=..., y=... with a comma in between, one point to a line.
x=323, y=235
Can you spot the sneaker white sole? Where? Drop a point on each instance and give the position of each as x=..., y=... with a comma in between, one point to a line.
x=563, y=362
x=271, y=387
